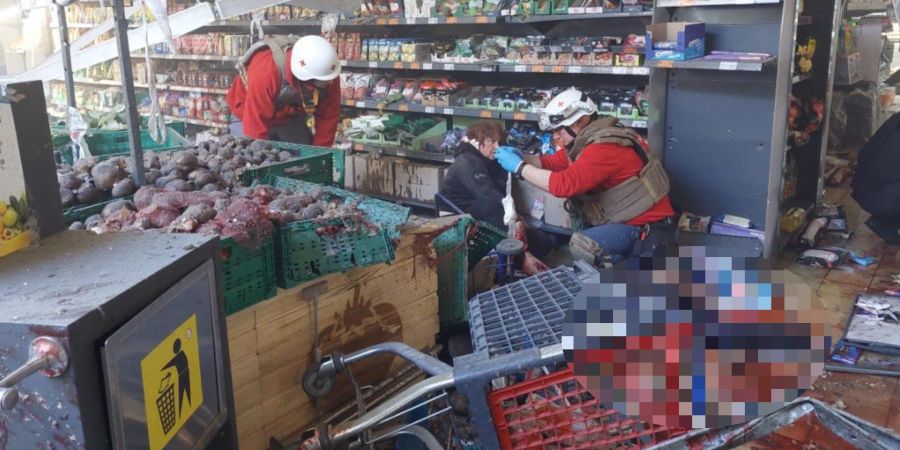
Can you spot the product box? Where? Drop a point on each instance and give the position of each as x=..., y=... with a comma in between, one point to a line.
x=629, y=60
x=543, y=7
x=676, y=41
x=560, y=7
x=847, y=69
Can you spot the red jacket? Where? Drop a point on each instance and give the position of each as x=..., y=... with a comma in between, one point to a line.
x=600, y=166
x=254, y=105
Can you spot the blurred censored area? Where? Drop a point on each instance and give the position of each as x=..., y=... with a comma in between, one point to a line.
x=691, y=339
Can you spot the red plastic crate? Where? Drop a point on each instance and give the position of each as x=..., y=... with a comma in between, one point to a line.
x=553, y=411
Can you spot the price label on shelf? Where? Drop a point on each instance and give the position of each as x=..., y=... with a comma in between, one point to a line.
x=410, y=21
x=343, y=62
x=427, y=66
x=666, y=64
x=519, y=116
x=593, y=10
x=620, y=71
x=557, y=69
x=639, y=124
x=398, y=65
x=415, y=66
x=574, y=69
x=432, y=21
x=451, y=20
x=520, y=68
x=481, y=19
x=485, y=114
x=380, y=22
x=728, y=65
x=448, y=111
x=266, y=22
x=394, y=22
x=576, y=10
x=449, y=66
x=358, y=147
x=360, y=104
x=429, y=110
x=537, y=69
x=373, y=64
x=400, y=153
x=350, y=103
x=487, y=69
x=403, y=107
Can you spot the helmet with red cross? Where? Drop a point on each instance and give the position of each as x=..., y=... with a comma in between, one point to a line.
x=314, y=58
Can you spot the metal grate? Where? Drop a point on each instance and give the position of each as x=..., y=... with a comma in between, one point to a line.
x=524, y=314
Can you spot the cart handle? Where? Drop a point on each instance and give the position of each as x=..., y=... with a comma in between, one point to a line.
x=428, y=364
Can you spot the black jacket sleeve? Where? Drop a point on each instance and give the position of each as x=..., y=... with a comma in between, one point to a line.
x=474, y=177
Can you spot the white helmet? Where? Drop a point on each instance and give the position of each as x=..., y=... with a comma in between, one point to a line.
x=565, y=109
x=313, y=58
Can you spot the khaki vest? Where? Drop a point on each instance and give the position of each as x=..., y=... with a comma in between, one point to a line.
x=279, y=45
x=628, y=199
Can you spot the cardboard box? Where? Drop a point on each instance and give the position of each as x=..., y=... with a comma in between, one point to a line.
x=418, y=181
x=689, y=39
x=847, y=69
x=539, y=204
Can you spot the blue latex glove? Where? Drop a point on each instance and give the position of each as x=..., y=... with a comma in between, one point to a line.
x=509, y=158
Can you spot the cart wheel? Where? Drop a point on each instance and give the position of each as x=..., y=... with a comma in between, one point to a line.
x=316, y=385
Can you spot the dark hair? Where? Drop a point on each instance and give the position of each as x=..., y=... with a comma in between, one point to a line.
x=481, y=130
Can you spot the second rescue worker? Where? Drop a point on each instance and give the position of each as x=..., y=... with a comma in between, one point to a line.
x=299, y=102
x=613, y=183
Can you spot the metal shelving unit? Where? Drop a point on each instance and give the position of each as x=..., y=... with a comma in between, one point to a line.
x=713, y=119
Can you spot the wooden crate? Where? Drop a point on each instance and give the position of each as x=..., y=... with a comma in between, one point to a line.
x=271, y=343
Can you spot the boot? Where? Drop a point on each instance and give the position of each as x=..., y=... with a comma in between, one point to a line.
x=585, y=248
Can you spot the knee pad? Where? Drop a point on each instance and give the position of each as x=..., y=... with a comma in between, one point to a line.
x=588, y=250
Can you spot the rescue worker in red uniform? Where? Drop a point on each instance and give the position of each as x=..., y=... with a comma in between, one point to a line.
x=299, y=102
x=614, y=185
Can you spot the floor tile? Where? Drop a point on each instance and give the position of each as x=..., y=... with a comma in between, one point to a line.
x=824, y=439
x=862, y=395
x=839, y=289
x=848, y=275
x=808, y=272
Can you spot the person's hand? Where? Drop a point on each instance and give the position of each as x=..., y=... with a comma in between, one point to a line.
x=509, y=158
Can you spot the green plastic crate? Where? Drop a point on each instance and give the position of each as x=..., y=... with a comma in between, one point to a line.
x=320, y=170
x=301, y=254
x=459, y=249
x=387, y=215
x=80, y=213
x=337, y=156
x=248, y=275
x=112, y=143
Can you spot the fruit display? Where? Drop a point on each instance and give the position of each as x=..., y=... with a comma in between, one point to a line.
x=208, y=167
x=804, y=56
x=804, y=118
x=14, y=216
x=247, y=215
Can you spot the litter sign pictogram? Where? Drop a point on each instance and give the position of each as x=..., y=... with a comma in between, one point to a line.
x=171, y=379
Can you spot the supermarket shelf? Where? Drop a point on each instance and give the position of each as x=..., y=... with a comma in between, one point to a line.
x=360, y=23
x=401, y=152
x=162, y=87
x=190, y=57
x=420, y=66
x=804, y=20
x=467, y=112
x=861, y=7
x=404, y=107
x=567, y=17
x=802, y=77
x=202, y=123
x=713, y=64
x=603, y=70
x=690, y=3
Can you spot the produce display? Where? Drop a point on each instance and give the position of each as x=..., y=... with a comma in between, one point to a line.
x=583, y=50
x=804, y=56
x=393, y=128
x=193, y=105
x=208, y=167
x=804, y=118
x=14, y=215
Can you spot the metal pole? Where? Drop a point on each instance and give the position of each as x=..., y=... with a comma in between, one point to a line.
x=134, y=123
x=66, y=55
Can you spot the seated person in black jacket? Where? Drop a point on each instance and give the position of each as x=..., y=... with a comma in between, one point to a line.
x=476, y=183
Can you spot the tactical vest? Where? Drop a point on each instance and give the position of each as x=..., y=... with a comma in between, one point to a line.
x=279, y=45
x=628, y=199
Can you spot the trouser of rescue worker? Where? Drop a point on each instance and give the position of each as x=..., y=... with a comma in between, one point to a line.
x=620, y=241
x=295, y=131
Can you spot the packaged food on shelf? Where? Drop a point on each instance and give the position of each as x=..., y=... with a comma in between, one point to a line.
x=676, y=41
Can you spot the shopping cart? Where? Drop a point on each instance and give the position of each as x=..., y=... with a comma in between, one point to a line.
x=516, y=331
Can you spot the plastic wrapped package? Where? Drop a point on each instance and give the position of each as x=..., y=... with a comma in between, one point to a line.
x=494, y=47
x=380, y=89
